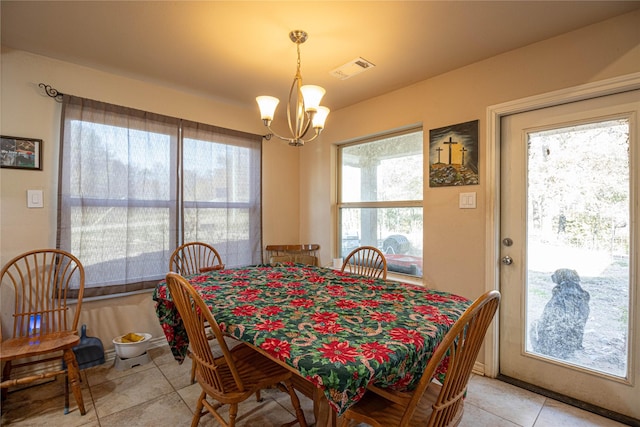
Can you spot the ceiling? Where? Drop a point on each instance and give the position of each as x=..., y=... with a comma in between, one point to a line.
x=235, y=50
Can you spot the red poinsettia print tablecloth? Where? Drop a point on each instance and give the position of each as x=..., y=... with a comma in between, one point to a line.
x=340, y=331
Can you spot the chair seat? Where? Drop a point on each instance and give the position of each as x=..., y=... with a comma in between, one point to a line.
x=378, y=411
x=255, y=370
x=15, y=348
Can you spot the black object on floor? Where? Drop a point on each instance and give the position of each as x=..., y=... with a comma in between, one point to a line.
x=89, y=352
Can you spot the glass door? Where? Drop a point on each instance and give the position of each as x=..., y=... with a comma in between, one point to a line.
x=569, y=250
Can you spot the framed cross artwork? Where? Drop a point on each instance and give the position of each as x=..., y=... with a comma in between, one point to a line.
x=453, y=155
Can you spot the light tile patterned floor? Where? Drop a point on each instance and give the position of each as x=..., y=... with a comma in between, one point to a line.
x=159, y=394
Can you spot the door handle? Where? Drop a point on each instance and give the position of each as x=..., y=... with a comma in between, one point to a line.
x=507, y=260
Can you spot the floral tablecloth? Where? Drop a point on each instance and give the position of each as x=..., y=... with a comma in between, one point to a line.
x=340, y=331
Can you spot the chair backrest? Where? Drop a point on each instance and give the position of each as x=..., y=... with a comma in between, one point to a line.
x=461, y=346
x=40, y=281
x=366, y=260
x=302, y=254
x=193, y=258
x=196, y=318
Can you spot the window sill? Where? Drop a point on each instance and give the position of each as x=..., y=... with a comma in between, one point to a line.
x=112, y=296
x=413, y=280
x=394, y=277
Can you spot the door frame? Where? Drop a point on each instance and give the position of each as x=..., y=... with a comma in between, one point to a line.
x=492, y=176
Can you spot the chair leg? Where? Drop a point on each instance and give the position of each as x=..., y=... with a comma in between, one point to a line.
x=73, y=372
x=198, y=412
x=6, y=374
x=296, y=403
x=193, y=371
x=233, y=413
x=66, y=394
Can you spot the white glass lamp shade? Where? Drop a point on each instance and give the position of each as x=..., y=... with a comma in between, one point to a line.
x=312, y=96
x=320, y=117
x=267, y=105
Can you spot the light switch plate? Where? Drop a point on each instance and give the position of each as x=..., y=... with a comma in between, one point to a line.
x=468, y=200
x=35, y=199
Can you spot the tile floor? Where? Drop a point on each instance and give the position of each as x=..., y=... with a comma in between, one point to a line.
x=159, y=394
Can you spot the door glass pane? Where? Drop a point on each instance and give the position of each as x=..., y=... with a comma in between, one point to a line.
x=578, y=238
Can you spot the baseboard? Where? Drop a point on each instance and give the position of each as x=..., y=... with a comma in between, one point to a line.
x=478, y=369
x=109, y=357
x=624, y=419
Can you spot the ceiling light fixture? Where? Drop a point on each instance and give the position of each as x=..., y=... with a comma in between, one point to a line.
x=306, y=111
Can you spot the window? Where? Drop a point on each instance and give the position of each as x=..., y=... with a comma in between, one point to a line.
x=134, y=185
x=380, y=198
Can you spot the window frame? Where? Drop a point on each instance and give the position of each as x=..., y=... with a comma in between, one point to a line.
x=174, y=235
x=340, y=205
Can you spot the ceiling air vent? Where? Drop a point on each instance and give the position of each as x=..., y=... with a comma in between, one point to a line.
x=351, y=68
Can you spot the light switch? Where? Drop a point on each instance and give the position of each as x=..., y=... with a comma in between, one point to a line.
x=468, y=200
x=34, y=199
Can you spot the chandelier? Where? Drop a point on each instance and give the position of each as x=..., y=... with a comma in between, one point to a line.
x=303, y=112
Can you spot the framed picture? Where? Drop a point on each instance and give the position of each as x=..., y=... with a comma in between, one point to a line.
x=20, y=153
x=453, y=155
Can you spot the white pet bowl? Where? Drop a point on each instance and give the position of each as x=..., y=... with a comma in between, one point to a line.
x=127, y=350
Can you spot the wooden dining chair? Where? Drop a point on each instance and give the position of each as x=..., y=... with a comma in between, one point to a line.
x=43, y=329
x=367, y=261
x=237, y=374
x=195, y=257
x=432, y=404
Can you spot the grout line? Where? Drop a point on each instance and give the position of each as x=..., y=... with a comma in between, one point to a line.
x=491, y=413
x=175, y=390
x=544, y=402
x=132, y=372
x=93, y=402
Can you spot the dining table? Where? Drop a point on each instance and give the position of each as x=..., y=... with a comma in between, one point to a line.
x=337, y=331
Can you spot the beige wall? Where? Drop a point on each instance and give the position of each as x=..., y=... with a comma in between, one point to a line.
x=25, y=111
x=454, y=239
x=299, y=184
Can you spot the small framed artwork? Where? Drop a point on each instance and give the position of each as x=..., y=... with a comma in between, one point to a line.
x=20, y=153
x=453, y=155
